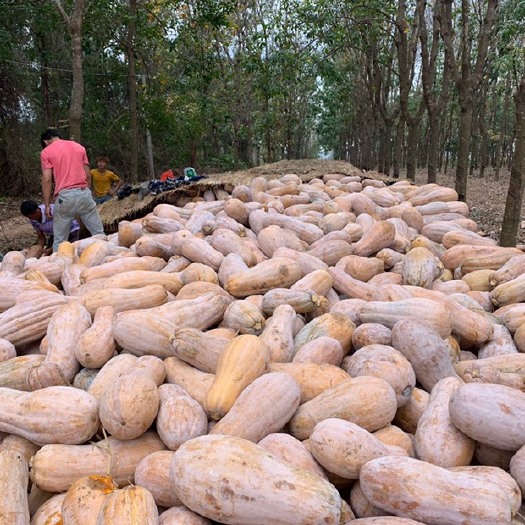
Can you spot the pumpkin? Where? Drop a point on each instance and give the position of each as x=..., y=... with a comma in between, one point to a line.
x=276, y=492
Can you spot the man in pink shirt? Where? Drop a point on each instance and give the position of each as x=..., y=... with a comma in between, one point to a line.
x=65, y=162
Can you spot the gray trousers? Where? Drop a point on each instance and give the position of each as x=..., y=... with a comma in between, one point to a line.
x=71, y=203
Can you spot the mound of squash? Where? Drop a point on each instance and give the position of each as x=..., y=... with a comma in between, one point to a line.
x=338, y=351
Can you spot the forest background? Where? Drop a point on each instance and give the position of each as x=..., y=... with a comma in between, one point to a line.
x=227, y=84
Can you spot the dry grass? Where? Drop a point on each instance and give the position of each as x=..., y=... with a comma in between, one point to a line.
x=114, y=211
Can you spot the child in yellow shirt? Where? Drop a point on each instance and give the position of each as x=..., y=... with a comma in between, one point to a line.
x=105, y=183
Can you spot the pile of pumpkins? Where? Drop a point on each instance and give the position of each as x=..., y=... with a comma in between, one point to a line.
x=330, y=352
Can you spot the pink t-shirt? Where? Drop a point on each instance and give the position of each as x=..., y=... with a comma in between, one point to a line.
x=67, y=159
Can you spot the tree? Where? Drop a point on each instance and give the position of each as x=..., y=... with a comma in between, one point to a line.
x=514, y=200
x=74, y=25
x=132, y=92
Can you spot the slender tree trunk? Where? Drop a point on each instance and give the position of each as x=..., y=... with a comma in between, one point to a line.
x=465, y=126
x=502, y=131
x=413, y=129
x=398, y=146
x=44, y=78
x=512, y=214
x=74, y=25
x=433, y=146
x=132, y=90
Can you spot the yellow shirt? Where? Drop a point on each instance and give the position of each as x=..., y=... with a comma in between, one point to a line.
x=102, y=181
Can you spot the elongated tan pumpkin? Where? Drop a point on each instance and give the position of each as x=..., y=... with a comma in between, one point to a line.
x=199, y=349
x=386, y=363
x=263, y=407
x=278, y=272
x=438, y=441
x=291, y=450
x=65, y=414
x=262, y=489
x=195, y=382
x=427, y=352
x=67, y=325
x=332, y=324
x=110, y=456
x=241, y=362
x=342, y=447
x=153, y=473
x=418, y=490
x=278, y=334
x=491, y=414
x=367, y=401
x=427, y=310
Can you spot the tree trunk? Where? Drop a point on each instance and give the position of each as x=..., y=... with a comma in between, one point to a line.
x=398, y=146
x=465, y=126
x=433, y=147
x=512, y=214
x=502, y=131
x=413, y=128
x=132, y=91
x=74, y=25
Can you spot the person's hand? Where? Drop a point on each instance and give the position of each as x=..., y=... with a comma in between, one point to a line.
x=48, y=211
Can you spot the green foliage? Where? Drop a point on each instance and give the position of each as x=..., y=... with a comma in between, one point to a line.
x=225, y=83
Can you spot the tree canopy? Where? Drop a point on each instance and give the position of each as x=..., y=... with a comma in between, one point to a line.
x=227, y=84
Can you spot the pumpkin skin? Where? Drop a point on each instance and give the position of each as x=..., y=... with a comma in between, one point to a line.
x=180, y=417
x=50, y=512
x=367, y=401
x=343, y=448
x=291, y=450
x=418, y=490
x=438, y=441
x=14, y=479
x=66, y=415
x=85, y=498
x=182, y=516
x=312, y=378
x=425, y=350
x=263, y=407
x=491, y=414
x=119, y=457
x=129, y=506
x=261, y=488
x=241, y=362
x=129, y=405
x=386, y=363
x=153, y=473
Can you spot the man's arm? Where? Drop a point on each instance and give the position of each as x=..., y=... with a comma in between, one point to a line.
x=41, y=238
x=88, y=176
x=116, y=187
x=47, y=189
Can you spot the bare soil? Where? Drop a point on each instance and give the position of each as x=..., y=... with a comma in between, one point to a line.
x=485, y=197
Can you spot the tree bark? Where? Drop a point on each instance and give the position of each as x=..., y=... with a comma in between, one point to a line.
x=512, y=214
x=132, y=92
x=74, y=25
x=502, y=131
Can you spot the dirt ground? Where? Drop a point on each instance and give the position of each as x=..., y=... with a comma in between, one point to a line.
x=485, y=197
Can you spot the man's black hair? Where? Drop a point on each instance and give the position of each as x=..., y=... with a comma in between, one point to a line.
x=48, y=134
x=28, y=207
